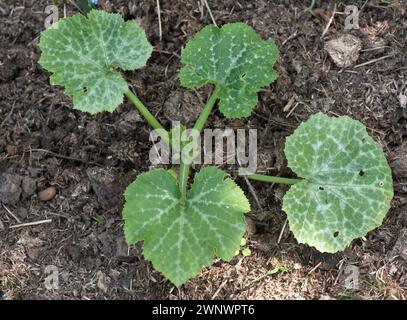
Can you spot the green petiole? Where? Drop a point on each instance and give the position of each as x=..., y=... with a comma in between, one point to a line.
x=200, y=123
x=271, y=179
x=144, y=111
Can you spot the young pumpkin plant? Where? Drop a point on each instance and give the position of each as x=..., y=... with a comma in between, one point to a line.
x=345, y=186
x=183, y=228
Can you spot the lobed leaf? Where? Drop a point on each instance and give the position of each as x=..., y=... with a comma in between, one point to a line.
x=83, y=52
x=234, y=58
x=347, y=186
x=182, y=238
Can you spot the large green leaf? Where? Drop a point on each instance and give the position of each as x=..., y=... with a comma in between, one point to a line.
x=83, y=53
x=181, y=238
x=234, y=58
x=347, y=186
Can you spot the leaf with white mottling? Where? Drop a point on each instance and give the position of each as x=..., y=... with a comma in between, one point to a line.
x=182, y=238
x=83, y=52
x=234, y=58
x=347, y=186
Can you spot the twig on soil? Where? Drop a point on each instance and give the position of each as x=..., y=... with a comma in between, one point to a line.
x=314, y=268
x=57, y=155
x=3, y=11
x=77, y=7
x=372, y=49
x=289, y=105
x=11, y=213
x=292, y=110
x=269, y=273
x=251, y=189
x=363, y=6
x=340, y=271
x=219, y=289
x=282, y=231
x=311, y=6
x=329, y=22
x=160, y=29
x=35, y=223
x=210, y=12
x=290, y=38
x=253, y=192
x=372, y=61
x=168, y=52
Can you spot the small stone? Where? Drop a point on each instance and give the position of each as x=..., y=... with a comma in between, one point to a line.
x=344, y=50
x=10, y=190
x=47, y=194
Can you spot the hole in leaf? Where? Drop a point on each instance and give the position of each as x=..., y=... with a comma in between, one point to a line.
x=361, y=173
x=381, y=184
x=336, y=233
x=243, y=76
x=321, y=188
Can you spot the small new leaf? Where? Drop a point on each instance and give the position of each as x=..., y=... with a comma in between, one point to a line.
x=182, y=238
x=347, y=186
x=82, y=53
x=234, y=58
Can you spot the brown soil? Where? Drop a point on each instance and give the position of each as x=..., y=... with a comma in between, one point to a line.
x=91, y=159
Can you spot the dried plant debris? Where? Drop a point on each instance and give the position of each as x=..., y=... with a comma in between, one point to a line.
x=344, y=50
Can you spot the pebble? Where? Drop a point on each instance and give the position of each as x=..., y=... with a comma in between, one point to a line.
x=47, y=194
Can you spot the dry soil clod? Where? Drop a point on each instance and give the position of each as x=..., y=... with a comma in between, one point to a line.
x=344, y=50
x=10, y=190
